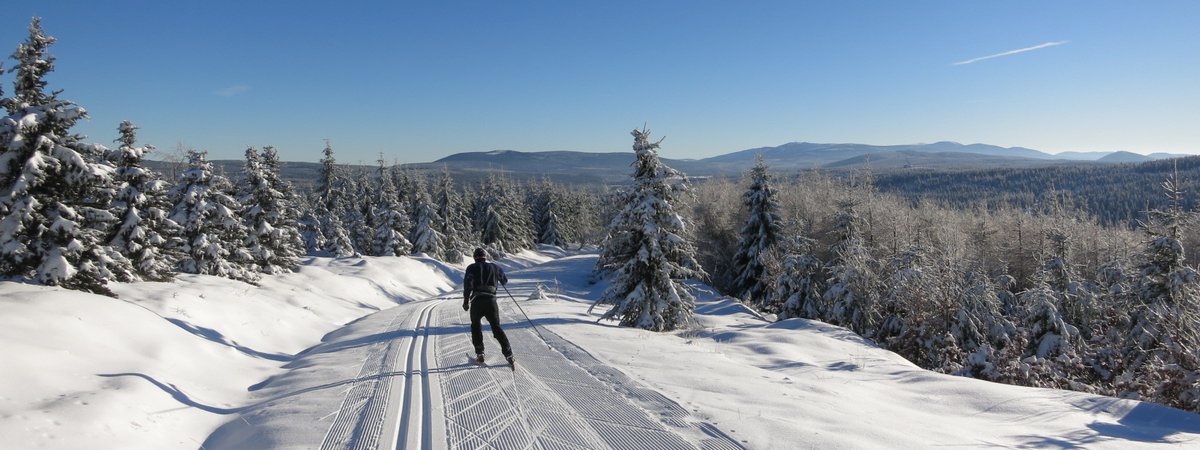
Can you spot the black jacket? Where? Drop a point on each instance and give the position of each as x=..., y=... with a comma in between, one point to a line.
x=481, y=279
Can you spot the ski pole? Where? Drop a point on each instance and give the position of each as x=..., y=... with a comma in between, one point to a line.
x=535, y=328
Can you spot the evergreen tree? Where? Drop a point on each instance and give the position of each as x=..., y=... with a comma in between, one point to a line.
x=543, y=203
x=426, y=238
x=759, y=236
x=309, y=225
x=359, y=215
x=982, y=331
x=329, y=206
x=267, y=211
x=853, y=290
x=455, y=225
x=648, y=251
x=1052, y=356
x=51, y=225
x=389, y=217
x=504, y=224
x=212, y=232
x=798, y=291
x=1162, y=346
x=144, y=234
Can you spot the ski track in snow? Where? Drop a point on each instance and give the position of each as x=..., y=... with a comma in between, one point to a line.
x=391, y=411
x=417, y=388
x=560, y=397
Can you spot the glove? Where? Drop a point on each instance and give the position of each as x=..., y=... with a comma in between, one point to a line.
x=466, y=306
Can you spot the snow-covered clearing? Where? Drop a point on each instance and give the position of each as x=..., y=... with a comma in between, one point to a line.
x=322, y=358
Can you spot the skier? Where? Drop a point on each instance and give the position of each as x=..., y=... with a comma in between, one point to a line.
x=479, y=296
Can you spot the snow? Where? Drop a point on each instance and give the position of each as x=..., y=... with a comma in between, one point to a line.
x=87, y=371
x=168, y=365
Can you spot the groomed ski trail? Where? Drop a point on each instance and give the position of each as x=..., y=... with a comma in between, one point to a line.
x=559, y=397
x=395, y=410
x=398, y=379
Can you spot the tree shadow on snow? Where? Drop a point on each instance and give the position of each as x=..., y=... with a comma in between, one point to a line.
x=181, y=397
x=216, y=336
x=1144, y=422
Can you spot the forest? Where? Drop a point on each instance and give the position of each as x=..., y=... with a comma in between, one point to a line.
x=1044, y=293
x=1114, y=194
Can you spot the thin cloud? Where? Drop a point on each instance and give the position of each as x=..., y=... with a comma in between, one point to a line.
x=232, y=90
x=1011, y=52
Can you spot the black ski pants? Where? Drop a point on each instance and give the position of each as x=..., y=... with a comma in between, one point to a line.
x=485, y=306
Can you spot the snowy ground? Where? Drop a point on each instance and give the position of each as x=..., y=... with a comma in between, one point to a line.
x=372, y=353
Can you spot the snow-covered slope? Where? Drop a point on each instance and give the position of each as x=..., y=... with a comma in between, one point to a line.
x=805, y=384
x=87, y=371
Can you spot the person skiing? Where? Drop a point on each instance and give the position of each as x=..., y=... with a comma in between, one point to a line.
x=479, y=297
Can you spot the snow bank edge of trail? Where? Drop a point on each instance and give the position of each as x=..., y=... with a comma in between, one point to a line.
x=165, y=364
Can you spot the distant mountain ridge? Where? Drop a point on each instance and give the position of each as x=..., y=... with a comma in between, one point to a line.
x=612, y=166
x=575, y=167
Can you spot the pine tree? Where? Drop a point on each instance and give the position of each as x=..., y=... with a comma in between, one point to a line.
x=309, y=225
x=543, y=203
x=212, y=232
x=51, y=227
x=144, y=234
x=759, y=236
x=267, y=211
x=426, y=238
x=981, y=330
x=455, y=225
x=330, y=195
x=798, y=291
x=1162, y=345
x=504, y=224
x=649, y=252
x=1053, y=350
x=357, y=213
x=852, y=295
x=389, y=217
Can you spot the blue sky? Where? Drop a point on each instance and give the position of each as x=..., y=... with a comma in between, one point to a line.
x=421, y=80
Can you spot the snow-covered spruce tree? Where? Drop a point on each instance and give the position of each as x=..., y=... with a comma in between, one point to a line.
x=51, y=224
x=390, y=218
x=992, y=341
x=144, y=234
x=328, y=201
x=406, y=184
x=504, y=222
x=759, y=234
x=358, y=213
x=852, y=292
x=919, y=308
x=1162, y=346
x=649, y=251
x=798, y=290
x=543, y=203
x=309, y=225
x=579, y=217
x=283, y=214
x=212, y=233
x=268, y=213
x=1075, y=297
x=1052, y=356
x=425, y=237
x=455, y=225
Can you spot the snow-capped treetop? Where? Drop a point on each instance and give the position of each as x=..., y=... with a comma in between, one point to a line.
x=649, y=250
x=33, y=63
